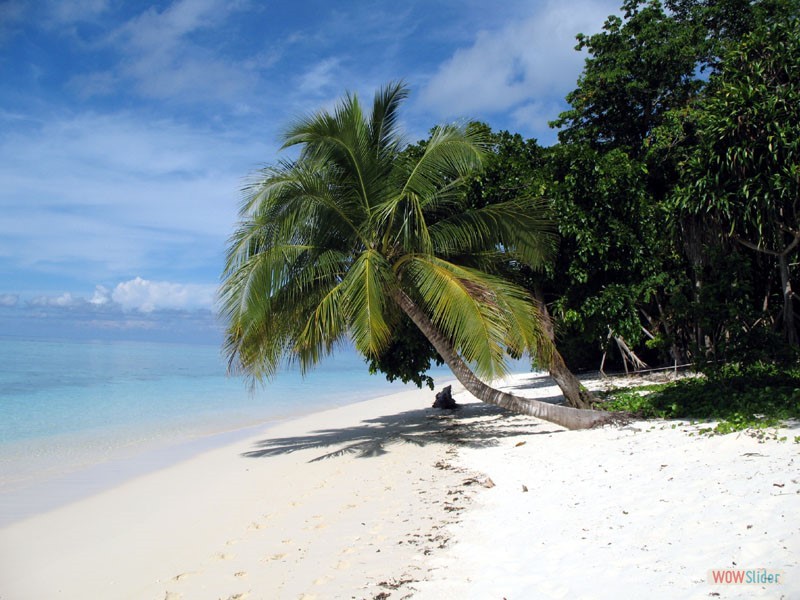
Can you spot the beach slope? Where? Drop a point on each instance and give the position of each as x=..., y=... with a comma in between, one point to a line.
x=391, y=499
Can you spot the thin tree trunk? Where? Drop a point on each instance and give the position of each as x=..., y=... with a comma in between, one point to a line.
x=789, y=328
x=571, y=418
x=575, y=394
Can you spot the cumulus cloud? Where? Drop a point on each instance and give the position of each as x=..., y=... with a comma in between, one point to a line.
x=136, y=294
x=147, y=296
x=65, y=300
x=527, y=60
x=101, y=296
x=135, y=309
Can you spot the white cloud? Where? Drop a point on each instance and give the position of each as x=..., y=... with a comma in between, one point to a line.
x=9, y=299
x=147, y=296
x=136, y=294
x=319, y=77
x=65, y=300
x=162, y=60
x=535, y=114
x=101, y=296
x=529, y=59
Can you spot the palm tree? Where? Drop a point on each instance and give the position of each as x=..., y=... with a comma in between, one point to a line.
x=340, y=241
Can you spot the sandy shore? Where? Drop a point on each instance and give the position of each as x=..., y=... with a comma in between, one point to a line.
x=391, y=499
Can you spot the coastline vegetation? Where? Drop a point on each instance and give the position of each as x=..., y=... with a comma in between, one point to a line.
x=675, y=188
x=756, y=399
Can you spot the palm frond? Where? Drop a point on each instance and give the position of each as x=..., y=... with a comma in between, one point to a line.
x=521, y=227
x=451, y=153
x=366, y=284
x=466, y=305
x=384, y=136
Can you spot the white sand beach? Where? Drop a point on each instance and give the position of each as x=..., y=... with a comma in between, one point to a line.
x=392, y=499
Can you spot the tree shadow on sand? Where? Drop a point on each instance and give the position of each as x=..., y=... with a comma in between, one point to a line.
x=470, y=425
x=536, y=382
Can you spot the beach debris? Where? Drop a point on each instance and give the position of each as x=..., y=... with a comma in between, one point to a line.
x=524, y=488
x=444, y=399
x=518, y=444
x=484, y=481
x=392, y=584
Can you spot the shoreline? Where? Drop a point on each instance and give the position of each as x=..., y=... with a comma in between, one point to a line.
x=47, y=486
x=171, y=532
x=388, y=498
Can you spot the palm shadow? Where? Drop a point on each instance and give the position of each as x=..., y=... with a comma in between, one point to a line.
x=470, y=425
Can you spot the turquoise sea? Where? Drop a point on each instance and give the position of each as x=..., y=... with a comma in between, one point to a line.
x=77, y=416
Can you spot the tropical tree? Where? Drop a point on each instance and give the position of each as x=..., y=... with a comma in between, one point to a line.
x=744, y=173
x=352, y=234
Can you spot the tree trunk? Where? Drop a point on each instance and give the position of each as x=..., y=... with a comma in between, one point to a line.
x=571, y=418
x=575, y=394
x=789, y=328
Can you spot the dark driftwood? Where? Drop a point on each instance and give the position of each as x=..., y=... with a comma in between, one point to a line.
x=444, y=399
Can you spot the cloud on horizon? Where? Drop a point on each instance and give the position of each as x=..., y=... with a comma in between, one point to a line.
x=136, y=309
x=135, y=295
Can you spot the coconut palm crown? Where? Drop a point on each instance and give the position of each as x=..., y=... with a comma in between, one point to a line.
x=340, y=241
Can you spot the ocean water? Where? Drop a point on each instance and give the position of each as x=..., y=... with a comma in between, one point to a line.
x=97, y=408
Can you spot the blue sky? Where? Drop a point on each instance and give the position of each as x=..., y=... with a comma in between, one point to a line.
x=128, y=128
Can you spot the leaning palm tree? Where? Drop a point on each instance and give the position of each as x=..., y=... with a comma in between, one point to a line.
x=342, y=240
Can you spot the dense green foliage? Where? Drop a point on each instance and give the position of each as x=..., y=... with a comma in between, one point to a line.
x=511, y=171
x=682, y=130
x=757, y=397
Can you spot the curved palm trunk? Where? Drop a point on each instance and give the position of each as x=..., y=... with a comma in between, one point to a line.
x=575, y=394
x=571, y=418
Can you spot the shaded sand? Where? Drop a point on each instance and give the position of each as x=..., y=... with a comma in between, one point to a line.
x=391, y=499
